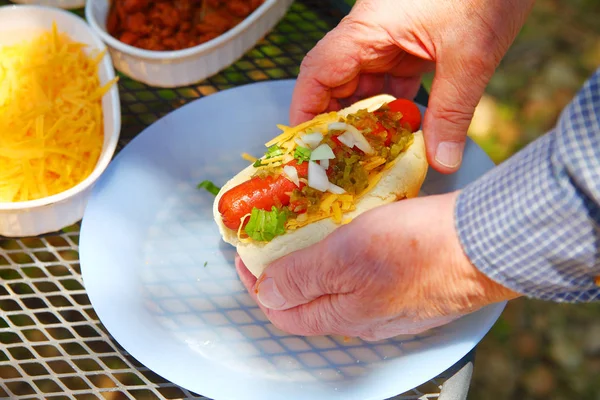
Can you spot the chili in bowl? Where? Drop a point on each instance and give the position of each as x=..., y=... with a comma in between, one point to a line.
x=166, y=25
x=171, y=43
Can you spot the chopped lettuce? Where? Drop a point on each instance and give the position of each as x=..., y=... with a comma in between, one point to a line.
x=302, y=153
x=209, y=186
x=271, y=152
x=264, y=225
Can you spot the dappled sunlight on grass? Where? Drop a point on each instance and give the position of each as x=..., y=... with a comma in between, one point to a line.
x=539, y=350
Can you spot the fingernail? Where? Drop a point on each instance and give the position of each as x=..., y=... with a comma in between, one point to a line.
x=269, y=295
x=449, y=154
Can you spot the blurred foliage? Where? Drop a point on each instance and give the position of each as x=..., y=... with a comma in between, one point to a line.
x=555, y=52
x=538, y=350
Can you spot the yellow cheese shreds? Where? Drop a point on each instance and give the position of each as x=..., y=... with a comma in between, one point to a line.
x=289, y=132
x=327, y=201
x=51, y=122
x=242, y=237
x=306, y=220
x=337, y=212
x=332, y=206
x=374, y=162
x=347, y=206
x=248, y=157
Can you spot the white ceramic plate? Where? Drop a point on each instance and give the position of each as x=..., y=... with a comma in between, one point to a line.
x=148, y=232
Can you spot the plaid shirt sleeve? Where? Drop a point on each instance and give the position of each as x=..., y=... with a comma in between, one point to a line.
x=532, y=224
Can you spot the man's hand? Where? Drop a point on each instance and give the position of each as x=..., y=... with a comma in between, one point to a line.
x=387, y=45
x=397, y=269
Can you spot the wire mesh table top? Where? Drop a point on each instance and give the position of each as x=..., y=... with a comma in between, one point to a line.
x=52, y=344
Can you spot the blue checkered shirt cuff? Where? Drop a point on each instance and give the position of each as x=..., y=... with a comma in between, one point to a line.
x=532, y=224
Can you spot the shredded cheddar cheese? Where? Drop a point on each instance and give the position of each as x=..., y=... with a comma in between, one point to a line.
x=373, y=163
x=290, y=132
x=327, y=201
x=337, y=212
x=51, y=121
x=272, y=160
x=248, y=157
x=242, y=237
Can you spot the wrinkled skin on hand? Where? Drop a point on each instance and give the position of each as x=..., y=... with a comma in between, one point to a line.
x=397, y=269
x=387, y=45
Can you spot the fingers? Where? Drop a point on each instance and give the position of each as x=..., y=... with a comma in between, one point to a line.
x=334, y=315
x=455, y=93
x=323, y=316
x=321, y=70
x=331, y=69
x=403, y=326
x=368, y=85
x=466, y=59
x=248, y=280
x=364, y=85
x=403, y=88
x=326, y=315
x=304, y=276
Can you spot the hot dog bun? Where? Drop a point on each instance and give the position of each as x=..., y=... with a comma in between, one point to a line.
x=402, y=180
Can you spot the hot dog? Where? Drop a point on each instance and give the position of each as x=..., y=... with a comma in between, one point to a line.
x=262, y=193
x=321, y=174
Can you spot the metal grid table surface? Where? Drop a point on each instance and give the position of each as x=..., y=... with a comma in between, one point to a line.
x=53, y=345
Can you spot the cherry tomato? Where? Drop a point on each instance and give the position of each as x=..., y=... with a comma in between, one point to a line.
x=411, y=114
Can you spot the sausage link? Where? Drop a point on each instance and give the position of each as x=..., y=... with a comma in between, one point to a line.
x=262, y=193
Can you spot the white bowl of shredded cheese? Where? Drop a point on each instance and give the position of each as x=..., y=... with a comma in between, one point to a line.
x=60, y=118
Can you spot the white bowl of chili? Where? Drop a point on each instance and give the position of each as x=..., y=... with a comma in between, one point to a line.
x=174, y=68
x=86, y=130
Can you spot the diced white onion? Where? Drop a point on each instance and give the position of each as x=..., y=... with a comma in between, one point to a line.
x=360, y=140
x=351, y=137
x=335, y=189
x=300, y=143
x=337, y=126
x=347, y=138
x=312, y=140
x=324, y=163
x=323, y=152
x=317, y=177
x=292, y=174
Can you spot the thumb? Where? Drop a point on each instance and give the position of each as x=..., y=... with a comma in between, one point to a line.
x=303, y=276
x=457, y=88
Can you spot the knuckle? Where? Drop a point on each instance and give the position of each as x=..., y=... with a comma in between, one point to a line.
x=309, y=60
x=287, y=321
x=415, y=330
x=312, y=324
x=329, y=318
x=457, y=114
x=356, y=308
x=293, y=279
